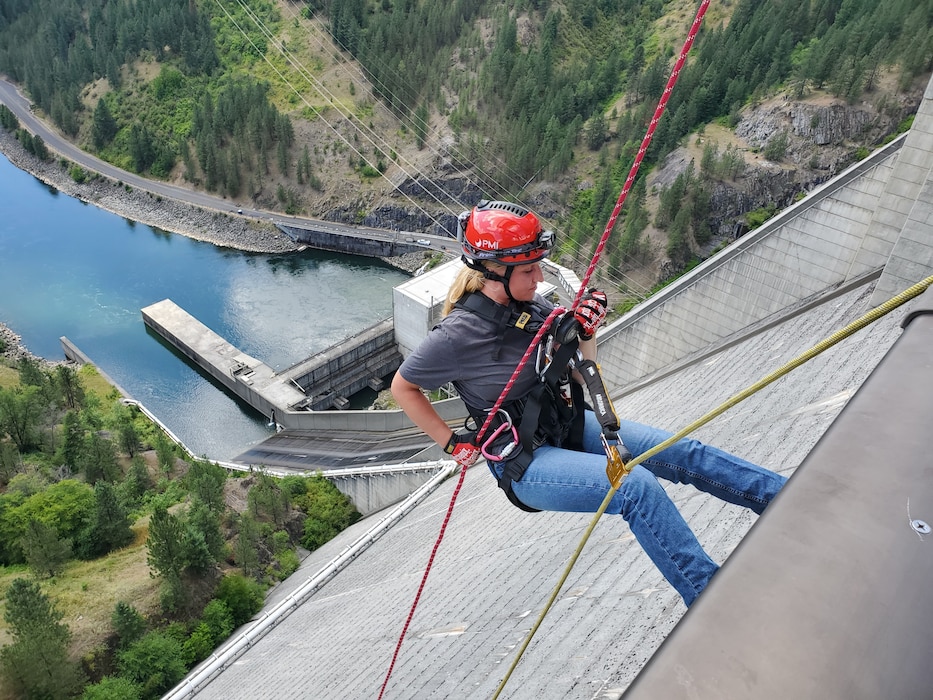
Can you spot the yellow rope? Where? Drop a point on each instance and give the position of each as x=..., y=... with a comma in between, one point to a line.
x=823, y=345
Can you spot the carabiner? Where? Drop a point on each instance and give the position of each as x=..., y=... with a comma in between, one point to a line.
x=509, y=448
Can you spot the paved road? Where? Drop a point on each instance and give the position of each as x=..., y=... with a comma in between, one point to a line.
x=22, y=108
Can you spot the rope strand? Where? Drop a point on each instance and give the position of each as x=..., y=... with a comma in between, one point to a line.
x=646, y=141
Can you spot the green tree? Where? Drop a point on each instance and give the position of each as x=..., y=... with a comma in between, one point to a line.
x=206, y=523
x=199, y=644
x=98, y=459
x=68, y=384
x=45, y=552
x=135, y=484
x=128, y=435
x=31, y=373
x=127, y=623
x=110, y=528
x=71, y=446
x=329, y=512
x=165, y=453
x=242, y=596
x=219, y=620
x=177, y=549
x=39, y=149
x=776, y=148
x=142, y=147
x=246, y=545
x=596, y=132
x=10, y=462
x=65, y=506
x=167, y=553
x=206, y=482
x=113, y=688
x=104, y=127
x=21, y=410
x=36, y=664
x=154, y=662
x=266, y=499
x=8, y=120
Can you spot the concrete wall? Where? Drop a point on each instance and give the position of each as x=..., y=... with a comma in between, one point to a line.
x=374, y=492
x=345, y=369
x=817, y=244
x=236, y=384
x=369, y=421
x=905, y=211
x=417, y=304
x=340, y=243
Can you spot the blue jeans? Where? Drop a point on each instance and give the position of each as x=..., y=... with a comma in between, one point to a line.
x=566, y=480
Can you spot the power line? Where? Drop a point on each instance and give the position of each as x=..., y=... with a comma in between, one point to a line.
x=487, y=181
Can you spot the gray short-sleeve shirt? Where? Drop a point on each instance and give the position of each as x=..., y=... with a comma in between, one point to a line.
x=461, y=349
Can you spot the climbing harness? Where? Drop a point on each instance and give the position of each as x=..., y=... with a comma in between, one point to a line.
x=523, y=316
x=551, y=412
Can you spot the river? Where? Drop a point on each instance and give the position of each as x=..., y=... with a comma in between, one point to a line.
x=71, y=269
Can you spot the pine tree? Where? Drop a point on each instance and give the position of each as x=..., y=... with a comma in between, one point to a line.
x=110, y=529
x=168, y=556
x=127, y=623
x=98, y=459
x=105, y=126
x=45, y=553
x=206, y=483
x=36, y=664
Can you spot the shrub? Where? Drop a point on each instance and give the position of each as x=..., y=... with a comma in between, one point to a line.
x=219, y=619
x=78, y=174
x=776, y=148
x=154, y=662
x=328, y=510
x=288, y=563
x=199, y=645
x=759, y=216
x=242, y=596
x=127, y=623
x=113, y=688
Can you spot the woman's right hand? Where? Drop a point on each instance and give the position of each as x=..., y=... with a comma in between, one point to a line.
x=463, y=449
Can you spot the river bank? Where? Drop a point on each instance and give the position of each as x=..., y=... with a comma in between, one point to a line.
x=211, y=226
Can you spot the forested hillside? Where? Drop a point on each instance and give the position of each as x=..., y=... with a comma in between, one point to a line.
x=402, y=112
x=124, y=562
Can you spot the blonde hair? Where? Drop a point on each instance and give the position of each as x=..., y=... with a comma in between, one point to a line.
x=467, y=280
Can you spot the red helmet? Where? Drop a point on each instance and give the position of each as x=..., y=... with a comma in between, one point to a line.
x=503, y=232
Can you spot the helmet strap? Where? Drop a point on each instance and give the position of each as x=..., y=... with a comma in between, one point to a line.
x=494, y=276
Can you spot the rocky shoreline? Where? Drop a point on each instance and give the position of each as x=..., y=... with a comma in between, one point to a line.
x=13, y=348
x=214, y=227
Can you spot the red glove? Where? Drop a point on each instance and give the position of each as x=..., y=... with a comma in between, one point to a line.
x=591, y=312
x=463, y=448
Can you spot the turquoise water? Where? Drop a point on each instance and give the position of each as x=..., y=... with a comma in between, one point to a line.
x=71, y=269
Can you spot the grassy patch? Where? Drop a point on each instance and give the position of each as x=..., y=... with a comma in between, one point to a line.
x=94, y=383
x=87, y=591
x=9, y=377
